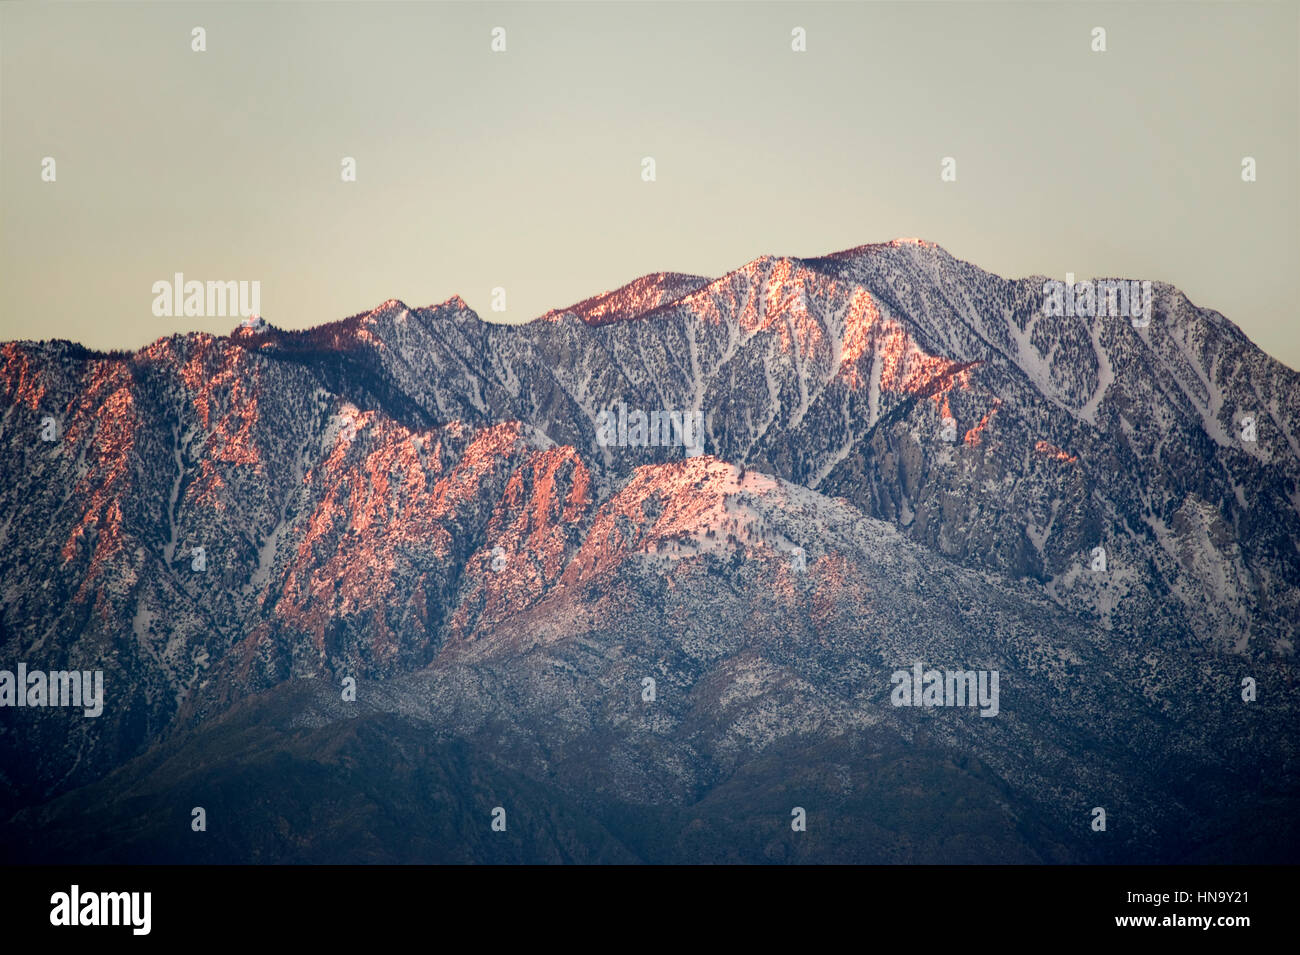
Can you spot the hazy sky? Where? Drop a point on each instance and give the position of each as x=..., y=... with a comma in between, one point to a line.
x=522, y=169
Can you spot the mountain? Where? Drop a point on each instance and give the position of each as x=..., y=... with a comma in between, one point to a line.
x=431, y=505
x=633, y=300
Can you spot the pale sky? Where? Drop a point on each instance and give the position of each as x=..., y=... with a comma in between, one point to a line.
x=522, y=169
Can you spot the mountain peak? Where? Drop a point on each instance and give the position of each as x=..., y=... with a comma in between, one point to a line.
x=388, y=305
x=251, y=326
x=630, y=301
x=859, y=251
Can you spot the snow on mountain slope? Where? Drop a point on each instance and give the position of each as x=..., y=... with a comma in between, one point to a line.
x=839, y=372
x=893, y=439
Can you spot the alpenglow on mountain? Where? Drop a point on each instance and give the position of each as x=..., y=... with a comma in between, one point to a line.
x=647, y=651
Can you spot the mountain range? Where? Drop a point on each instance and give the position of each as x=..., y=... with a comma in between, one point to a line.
x=355, y=588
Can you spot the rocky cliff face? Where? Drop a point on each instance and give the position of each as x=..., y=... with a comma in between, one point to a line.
x=904, y=459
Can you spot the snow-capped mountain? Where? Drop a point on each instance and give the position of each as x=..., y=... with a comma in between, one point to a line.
x=904, y=459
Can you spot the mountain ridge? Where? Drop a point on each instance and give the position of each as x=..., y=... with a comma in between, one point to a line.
x=423, y=500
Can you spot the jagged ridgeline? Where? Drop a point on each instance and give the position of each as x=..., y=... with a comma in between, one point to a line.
x=639, y=574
